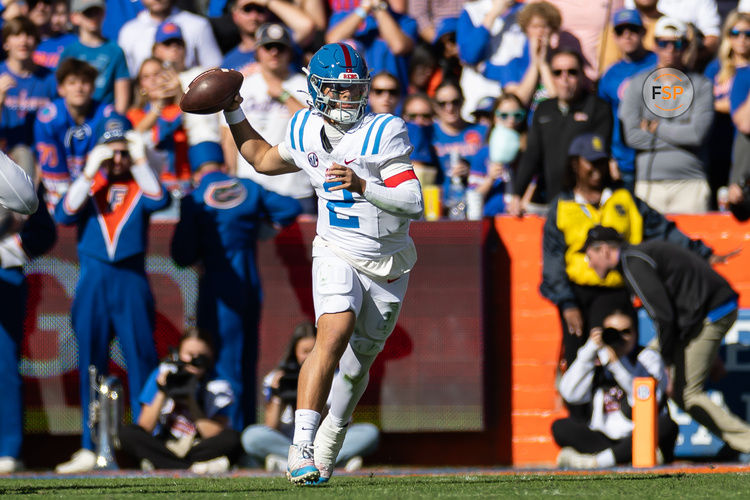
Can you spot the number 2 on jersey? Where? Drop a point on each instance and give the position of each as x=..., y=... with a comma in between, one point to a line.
x=336, y=219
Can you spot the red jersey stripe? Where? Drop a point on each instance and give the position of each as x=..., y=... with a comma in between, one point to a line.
x=397, y=179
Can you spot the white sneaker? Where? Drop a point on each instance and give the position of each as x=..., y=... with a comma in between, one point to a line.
x=10, y=464
x=275, y=463
x=354, y=463
x=301, y=464
x=214, y=466
x=569, y=458
x=82, y=461
x=328, y=442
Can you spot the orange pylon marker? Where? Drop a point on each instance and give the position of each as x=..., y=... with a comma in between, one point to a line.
x=644, y=422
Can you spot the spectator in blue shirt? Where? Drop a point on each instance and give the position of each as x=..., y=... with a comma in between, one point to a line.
x=384, y=37
x=24, y=86
x=734, y=54
x=55, y=35
x=417, y=113
x=112, y=84
x=248, y=15
x=455, y=140
x=184, y=420
x=492, y=167
x=629, y=33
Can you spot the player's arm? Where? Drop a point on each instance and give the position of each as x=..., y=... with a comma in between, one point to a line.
x=17, y=191
x=400, y=194
x=264, y=158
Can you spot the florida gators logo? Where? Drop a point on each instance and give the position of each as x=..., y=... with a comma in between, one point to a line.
x=116, y=196
x=47, y=113
x=473, y=137
x=224, y=195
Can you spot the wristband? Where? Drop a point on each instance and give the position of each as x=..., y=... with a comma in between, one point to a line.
x=284, y=97
x=234, y=117
x=360, y=12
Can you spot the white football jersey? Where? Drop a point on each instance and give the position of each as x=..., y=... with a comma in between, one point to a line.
x=347, y=219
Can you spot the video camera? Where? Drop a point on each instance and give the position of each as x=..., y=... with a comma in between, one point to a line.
x=287, y=389
x=180, y=383
x=613, y=337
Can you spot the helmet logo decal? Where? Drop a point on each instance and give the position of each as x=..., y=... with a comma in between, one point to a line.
x=347, y=57
x=348, y=75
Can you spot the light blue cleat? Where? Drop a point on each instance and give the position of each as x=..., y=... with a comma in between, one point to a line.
x=301, y=468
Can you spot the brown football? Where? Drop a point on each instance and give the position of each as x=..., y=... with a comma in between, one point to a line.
x=211, y=91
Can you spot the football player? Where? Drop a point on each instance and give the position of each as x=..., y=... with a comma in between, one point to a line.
x=367, y=191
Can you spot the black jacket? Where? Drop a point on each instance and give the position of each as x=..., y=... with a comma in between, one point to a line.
x=550, y=136
x=563, y=239
x=677, y=287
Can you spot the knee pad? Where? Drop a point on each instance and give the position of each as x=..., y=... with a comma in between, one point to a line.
x=353, y=366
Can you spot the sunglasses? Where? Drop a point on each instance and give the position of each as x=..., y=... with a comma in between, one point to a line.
x=444, y=104
x=92, y=12
x=391, y=92
x=251, y=7
x=736, y=33
x=677, y=44
x=516, y=115
x=631, y=28
x=278, y=46
x=568, y=71
x=414, y=116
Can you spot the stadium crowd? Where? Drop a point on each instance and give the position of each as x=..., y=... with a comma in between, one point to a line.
x=512, y=107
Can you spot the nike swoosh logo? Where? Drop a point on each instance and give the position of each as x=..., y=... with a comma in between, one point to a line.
x=347, y=162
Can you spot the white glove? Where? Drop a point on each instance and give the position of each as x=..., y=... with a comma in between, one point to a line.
x=95, y=158
x=136, y=146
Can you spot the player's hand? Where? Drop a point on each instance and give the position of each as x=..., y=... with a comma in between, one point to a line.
x=723, y=258
x=574, y=321
x=346, y=176
x=235, y=103
x=136, y=146
x=95, y=159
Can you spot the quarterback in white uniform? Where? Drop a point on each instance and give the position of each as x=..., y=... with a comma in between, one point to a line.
x=367, y=192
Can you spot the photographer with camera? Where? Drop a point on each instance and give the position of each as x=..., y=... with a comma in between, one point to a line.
x=268, y=443
x=601, y=376
x=183, y=421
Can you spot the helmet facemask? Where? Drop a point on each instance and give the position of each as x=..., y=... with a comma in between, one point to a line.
x=342, y=100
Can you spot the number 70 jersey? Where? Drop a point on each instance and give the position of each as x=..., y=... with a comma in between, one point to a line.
x=347, y=219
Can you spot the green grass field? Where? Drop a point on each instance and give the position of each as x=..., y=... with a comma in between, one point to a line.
x=661, y=486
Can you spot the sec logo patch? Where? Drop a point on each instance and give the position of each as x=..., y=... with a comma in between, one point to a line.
x=312, y=158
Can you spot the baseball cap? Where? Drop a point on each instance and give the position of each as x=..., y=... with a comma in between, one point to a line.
x=588, y=146
x=112, y=129
x=600, y=234
x=168, y=31
x=82, y=5
x=272, y=33
x=627, y=16
x=485, y=105
x=670, y=27
x=446, y=26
